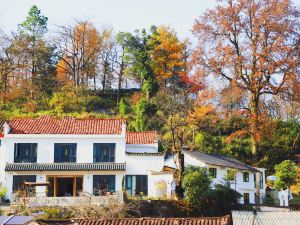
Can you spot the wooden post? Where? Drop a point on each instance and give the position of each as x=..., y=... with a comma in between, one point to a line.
x=55, y=185
x=74, y=186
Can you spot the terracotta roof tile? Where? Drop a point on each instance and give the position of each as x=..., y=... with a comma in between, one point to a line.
x=67, y=125
x=226, y=220
x=147, y=137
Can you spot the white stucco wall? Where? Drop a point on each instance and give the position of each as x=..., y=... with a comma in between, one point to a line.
x=153, y=180
x=139, y=165
x=2, y=163
x=45, y=148
x=135, y=165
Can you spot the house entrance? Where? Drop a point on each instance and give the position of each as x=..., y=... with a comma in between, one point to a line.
x=66, y=186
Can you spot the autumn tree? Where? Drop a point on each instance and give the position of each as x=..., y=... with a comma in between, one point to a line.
x=78, y=48
x=168, y=56
x=121, y=61
x=108, y=57
x=8, y=64
x=253, y=44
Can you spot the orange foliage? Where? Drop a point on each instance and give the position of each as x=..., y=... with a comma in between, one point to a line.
x=135, y=97
x=170, y=58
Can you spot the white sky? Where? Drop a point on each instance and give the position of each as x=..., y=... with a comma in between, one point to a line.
x=122, y=15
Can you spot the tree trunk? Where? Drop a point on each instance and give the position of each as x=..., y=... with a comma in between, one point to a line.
x=179, y=190
x=254, y=106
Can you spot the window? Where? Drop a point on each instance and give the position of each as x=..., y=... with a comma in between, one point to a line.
x=245, y=176
x=212, y=172
x=103, y=184
x=64, y=153
x=104, y=152
x=231, y=175
x=18, y=181
x=246, y=198
x=25, y=153
x=136, y=184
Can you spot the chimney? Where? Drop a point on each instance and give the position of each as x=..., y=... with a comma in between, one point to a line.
x=6, y=128
x=123, y=128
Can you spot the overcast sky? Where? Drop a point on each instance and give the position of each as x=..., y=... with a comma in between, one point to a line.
x=122, y=15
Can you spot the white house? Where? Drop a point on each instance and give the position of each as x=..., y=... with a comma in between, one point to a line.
x=66, y=157
x=243, y=178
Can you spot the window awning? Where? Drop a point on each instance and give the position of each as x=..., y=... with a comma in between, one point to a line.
x=65, y=167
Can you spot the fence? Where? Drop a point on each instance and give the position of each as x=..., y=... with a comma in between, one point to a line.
x=266, y=218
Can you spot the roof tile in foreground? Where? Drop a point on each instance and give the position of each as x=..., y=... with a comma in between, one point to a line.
x=226, y=220
x=65, y=167
x=67, y=125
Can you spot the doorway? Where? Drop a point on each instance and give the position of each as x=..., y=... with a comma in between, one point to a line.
x=66, y=186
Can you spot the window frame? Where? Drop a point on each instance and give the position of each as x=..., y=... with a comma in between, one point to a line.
x=58, y=153
x=141, y=179
x=233, y=173
x=246, y=199
x=32, y=156
x=111, y=154
x=246, y=177
x=110, y=177
x=212, y=174
x=30, y=178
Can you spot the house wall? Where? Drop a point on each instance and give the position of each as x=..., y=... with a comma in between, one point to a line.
x=45, y=149
x=135, y=165
x=87, y=179
x=2, y=163
x=155, y=179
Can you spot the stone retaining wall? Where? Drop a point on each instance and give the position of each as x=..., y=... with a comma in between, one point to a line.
x=70, y=201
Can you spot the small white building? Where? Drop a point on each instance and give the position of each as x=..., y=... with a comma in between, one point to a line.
x=243, y=178
x=73, y=156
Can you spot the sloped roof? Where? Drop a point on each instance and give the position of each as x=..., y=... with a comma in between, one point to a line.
x=226, y=220
x=146, y=137
x=219, y=160
x=67, y=125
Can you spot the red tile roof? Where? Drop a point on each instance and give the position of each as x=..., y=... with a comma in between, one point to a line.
x=67, y=125
x=226, y=220
x=147, y=137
